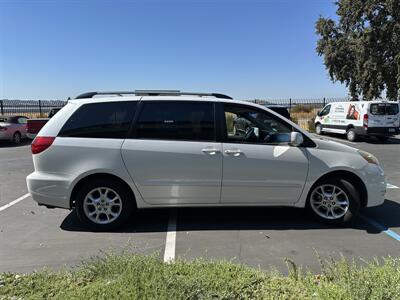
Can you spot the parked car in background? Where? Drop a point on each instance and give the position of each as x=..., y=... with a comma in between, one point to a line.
x=34, y=125
x=359, y=118
x=108, y=156
x=13, y=128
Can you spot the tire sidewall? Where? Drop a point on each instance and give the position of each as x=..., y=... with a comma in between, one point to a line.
x=318, y=129
x=352, y=194
x=126, y=199
x=17, y=138
x=351, y=135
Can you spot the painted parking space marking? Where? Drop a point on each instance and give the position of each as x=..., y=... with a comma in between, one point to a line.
x=382, y=228
x=391, y=186
x=4, y=207
x=170, y=243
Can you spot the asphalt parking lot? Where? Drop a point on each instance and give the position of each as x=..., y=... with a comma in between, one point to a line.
x=32, y=237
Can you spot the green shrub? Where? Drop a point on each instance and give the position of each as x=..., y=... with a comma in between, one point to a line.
x=131, y=276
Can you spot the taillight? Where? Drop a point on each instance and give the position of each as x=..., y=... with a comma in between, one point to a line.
x=3, y=128
x=41, y=143
x=365, y=120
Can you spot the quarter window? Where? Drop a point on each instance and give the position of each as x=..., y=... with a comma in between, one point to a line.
x=100, y=120
x=245, y=125
x=176, y=120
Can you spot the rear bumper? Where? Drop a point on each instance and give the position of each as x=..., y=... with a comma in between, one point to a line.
x=383, y=131
x=49, y=189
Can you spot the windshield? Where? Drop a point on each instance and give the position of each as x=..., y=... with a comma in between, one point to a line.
x=384, y=108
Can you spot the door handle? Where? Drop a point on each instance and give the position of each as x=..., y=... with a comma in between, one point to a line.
x=210, y=151
x=235, y=152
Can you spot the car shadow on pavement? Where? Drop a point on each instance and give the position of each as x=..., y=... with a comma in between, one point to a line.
x=9, y=144
x=249, y=218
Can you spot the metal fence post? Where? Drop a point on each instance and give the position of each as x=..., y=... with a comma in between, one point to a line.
x=324, y=102
x=40, y=108
x=1, y=107
x=290, y=103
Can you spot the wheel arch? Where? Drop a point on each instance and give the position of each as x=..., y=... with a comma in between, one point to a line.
x=350, y=176
x=82, y=181
x=350, y=126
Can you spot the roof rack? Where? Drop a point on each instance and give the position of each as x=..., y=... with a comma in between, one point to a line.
x=153, y=93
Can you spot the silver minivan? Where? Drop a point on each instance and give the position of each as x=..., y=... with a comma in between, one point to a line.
x=108, y=156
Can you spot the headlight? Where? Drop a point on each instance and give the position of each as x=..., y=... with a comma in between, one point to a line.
x=369, y=157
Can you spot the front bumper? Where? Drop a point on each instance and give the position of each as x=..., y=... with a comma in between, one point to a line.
x=49, y=189
x=375, y=182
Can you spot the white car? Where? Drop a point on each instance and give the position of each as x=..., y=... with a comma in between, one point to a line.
x=359, y=118
x=108, y=156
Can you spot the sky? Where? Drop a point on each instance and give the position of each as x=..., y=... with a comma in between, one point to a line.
x=247, y=49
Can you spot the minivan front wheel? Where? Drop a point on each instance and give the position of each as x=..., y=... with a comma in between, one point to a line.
x=334, y=201
x=104, y=204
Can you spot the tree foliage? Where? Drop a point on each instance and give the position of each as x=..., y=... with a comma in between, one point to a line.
x=362, y=48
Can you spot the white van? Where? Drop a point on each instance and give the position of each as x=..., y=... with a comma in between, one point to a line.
x=359, y=118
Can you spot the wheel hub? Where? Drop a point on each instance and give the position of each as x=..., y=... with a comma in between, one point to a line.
x=102, y=205
x=329, y=201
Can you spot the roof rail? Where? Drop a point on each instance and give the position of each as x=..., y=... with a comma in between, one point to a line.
x=153, y=93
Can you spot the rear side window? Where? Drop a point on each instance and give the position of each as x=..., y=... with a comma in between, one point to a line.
x=100, y=120
x=384, y=109
x=176, y=120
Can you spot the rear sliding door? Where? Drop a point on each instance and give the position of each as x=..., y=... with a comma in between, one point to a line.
x=173, y=156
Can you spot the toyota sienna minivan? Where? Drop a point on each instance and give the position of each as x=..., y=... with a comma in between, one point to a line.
x=109, y=154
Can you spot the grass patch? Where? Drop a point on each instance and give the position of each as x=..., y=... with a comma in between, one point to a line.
x=130, y=276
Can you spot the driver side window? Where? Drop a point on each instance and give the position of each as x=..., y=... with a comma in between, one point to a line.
x=325, y=111
x=248, y=125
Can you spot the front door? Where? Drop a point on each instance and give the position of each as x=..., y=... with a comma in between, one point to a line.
x=173, y=157
x=260, y=166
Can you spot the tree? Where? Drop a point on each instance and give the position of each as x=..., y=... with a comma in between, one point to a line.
x=362, y=48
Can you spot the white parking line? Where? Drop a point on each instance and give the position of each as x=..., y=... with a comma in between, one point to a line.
x=170, y=242
x=4, y=207
x=391, y=186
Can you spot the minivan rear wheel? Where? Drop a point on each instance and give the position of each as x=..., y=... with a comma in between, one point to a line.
x=334, y=201
x=104, y=204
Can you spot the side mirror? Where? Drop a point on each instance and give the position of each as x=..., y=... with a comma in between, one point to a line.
x=319, y=113
x=296, y=139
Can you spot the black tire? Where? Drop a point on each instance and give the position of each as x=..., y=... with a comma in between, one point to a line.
x=351, y=135
x=353, y=197
x=318, y=129
x=382, y=138
x=127, y=203
x=16, y=138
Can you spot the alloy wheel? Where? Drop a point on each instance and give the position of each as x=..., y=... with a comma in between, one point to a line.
x=102, y=205
x=329, y=201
